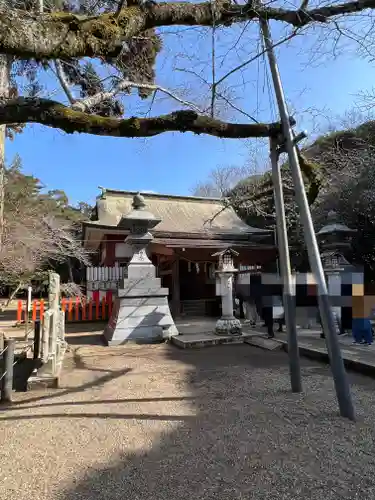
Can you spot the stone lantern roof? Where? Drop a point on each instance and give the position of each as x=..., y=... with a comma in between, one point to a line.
x=139, y=218
x=333, y=226
x=226, y=259
x=335, y=240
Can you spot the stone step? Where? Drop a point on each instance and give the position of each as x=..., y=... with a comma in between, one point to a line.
x=194, y=308
x=264, y=343
x=193, y=312
x=42, y=382
x=196, y=340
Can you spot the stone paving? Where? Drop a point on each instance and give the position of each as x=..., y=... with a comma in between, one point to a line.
x=200, y=332
x=156, y=422
x=310, y=339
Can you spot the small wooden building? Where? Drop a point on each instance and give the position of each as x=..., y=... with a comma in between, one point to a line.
x=190, y=231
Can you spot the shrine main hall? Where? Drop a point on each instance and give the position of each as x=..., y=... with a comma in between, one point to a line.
x=191, y=230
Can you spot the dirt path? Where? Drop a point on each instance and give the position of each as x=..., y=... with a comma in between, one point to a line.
x=153, y=422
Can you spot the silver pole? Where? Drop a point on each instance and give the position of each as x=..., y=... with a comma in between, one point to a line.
x=286, y=274
x=276, y=241
x=337, y=365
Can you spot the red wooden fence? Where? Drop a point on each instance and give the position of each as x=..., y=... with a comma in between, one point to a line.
x=75, y=309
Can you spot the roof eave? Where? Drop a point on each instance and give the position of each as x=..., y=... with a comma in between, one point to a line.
x=172, y=234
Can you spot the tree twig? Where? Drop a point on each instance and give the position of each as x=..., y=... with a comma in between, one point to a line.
x=254, y=58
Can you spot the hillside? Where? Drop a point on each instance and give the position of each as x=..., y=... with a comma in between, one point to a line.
x=328, y=157
x=339, y=173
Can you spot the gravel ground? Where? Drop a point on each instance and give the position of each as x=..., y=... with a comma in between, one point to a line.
x=153, y=422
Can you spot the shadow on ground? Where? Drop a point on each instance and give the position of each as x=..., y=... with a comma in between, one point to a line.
x=85, y=333
x=249, y=437
x=233, y=431
x=83, y=328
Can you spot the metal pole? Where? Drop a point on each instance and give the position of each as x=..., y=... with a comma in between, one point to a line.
x=7, y=375
x=276, y=240
x=286, y=274
x=333, y=348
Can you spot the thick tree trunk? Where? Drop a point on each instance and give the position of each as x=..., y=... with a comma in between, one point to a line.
x=4, y=93
x=60, y=35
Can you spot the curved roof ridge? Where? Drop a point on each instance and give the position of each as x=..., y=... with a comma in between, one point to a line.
x=158, y=195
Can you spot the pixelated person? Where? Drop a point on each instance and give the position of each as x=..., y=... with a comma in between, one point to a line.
x=270, y=290
x=278, y=303
x=362, y=308
x=346, y=310
x=248, y=303
x=251, y=314
x=259, y=299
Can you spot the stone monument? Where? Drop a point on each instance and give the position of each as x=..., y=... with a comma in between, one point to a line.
x=141, y=311
x=227, y=324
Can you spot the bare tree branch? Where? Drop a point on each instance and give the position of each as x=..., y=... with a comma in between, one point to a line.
x=366, y=100
x=56, y=115
x=91, y=101
x=63, y=81
x=254, y=58
x=233, y=106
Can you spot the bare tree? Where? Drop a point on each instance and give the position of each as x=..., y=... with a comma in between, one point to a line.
x=33, y=241
x=348, y=187
x=220, y=181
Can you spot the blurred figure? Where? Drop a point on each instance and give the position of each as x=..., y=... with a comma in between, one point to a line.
x=278, y=312
x=362, y=306
x=266, y=313
x=250, y=310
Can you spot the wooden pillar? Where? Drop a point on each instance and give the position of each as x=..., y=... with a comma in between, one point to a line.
x=176, y=303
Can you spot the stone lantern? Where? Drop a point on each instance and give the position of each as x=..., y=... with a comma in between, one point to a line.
x=335, y=240
x=227, y=324
x=139, y=222
x=141, y=311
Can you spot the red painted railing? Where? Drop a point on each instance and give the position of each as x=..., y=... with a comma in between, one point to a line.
x=75, y=309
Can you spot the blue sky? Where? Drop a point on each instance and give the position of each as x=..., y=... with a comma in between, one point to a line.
x=173, y=162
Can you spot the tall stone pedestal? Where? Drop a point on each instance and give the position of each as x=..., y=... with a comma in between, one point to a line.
x=227, y=324
x=141, y=311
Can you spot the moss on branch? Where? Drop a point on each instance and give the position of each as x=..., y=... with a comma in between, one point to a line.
x=56, y=115
x=67, y=35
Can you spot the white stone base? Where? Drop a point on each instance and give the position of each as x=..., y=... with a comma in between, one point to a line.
x=228, y=326
x=141, y=313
